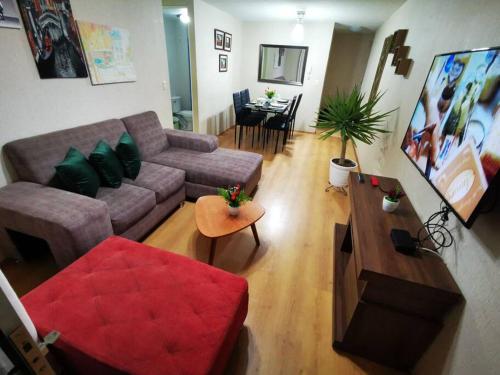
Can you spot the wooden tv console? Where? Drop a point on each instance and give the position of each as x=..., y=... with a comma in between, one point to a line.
x=387, y=307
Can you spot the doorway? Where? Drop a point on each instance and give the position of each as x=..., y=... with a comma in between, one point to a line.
x=176, y=22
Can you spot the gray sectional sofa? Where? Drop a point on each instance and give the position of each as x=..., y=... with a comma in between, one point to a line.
x=175, y=164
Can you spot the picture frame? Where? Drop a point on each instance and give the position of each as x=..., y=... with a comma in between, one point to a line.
x=223, y=62
x=228, y=41
x=219, y=37
x=57, y=54
x=9, y=16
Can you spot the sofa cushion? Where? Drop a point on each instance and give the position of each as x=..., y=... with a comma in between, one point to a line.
x=106, y=163
x=129, y=156
x=127, y=308
x=220, y=168
x=145, y=128
x=127, y=205
x=77, y=175
x=193, y=141
x=163, y=180
x=34, y=158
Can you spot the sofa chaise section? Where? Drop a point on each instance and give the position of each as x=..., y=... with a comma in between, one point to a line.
x=132, y=210
x=206, y=165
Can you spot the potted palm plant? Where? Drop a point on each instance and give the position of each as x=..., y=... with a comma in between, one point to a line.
x=354, y=118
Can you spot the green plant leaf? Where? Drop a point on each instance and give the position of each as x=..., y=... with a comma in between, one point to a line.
x=351, y=116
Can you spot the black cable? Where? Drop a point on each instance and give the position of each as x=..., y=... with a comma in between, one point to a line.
x=436, y=229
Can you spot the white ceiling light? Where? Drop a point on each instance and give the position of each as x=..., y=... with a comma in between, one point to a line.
x=184, y=17
x=298, y=29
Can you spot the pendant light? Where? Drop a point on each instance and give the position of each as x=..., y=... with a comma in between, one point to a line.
x=298, y=29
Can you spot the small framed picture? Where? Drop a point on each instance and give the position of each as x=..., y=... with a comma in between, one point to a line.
x=218, y=39
x=9, y=17
x=222, y=63
x=228, y=42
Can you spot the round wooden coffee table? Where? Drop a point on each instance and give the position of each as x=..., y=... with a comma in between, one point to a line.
x=213, y=219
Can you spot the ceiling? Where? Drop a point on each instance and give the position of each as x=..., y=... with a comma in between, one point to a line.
x=352, y=13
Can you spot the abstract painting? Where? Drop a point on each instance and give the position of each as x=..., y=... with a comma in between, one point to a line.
x=107, y=52
x=53, y=38
x=8, y=15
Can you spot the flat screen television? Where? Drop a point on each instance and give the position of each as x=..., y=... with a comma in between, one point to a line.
x=454, y=134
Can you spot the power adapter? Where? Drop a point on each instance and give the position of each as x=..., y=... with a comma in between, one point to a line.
x=403, y=242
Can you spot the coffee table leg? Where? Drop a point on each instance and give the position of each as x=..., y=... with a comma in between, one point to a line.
x=213, y=244
x=255, y=234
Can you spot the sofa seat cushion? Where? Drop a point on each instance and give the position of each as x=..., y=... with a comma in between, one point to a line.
x=127, y=308
x=127, y=205
x=220, y=168
x=163, y=180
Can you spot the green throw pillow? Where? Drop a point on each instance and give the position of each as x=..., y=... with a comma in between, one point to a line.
x=77, y=175
x=105, y=162
x=128, y=153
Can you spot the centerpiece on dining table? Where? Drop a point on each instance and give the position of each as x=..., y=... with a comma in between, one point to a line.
x=234, y=197
x=270, y=93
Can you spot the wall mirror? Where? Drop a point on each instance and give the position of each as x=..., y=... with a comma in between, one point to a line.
x=282, y=64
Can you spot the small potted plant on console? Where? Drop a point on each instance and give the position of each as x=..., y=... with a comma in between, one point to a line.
x=391, y=201
x=234, y=197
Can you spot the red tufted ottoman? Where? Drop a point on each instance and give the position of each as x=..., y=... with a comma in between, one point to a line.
x=127, y=308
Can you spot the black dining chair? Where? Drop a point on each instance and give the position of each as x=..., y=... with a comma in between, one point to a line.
x=244, y=118
x=279, y=123
x=245, y=96
x=295, y=114
x=245, y=99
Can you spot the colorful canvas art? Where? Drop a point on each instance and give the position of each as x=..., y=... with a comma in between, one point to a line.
x=53, y=38
x=107, y=52
x=8, y=15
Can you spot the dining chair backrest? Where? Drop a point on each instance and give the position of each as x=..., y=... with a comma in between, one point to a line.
x=238, y=106
x=289, y=116
x=296, y=106
x=245, y=96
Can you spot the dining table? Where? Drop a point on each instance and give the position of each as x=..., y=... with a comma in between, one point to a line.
x=277, y=107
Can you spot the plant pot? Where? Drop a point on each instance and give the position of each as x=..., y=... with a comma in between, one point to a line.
x=340, y=173
x=388, y=205
x=233, y=211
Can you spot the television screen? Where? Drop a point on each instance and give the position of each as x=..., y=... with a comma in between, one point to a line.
x=454, y=133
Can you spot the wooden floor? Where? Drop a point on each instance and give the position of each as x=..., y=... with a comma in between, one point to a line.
x=289, y=325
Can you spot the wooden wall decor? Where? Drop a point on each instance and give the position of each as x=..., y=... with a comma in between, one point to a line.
x=398, y=39
x=393, y=44
x=381, y=65
x=401, y=52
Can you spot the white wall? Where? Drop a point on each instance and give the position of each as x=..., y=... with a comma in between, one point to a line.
x=215, y=89
x=470, y=341
x=31, y=106
x=317, y=36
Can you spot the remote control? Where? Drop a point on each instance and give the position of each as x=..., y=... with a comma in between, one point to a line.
x=361, y=178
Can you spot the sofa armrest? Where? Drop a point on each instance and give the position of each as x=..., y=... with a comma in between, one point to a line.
x=197, y=142
x=71, y=223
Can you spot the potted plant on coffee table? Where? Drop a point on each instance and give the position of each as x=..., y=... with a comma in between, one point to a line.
x=234, y=197
x=349, y=115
